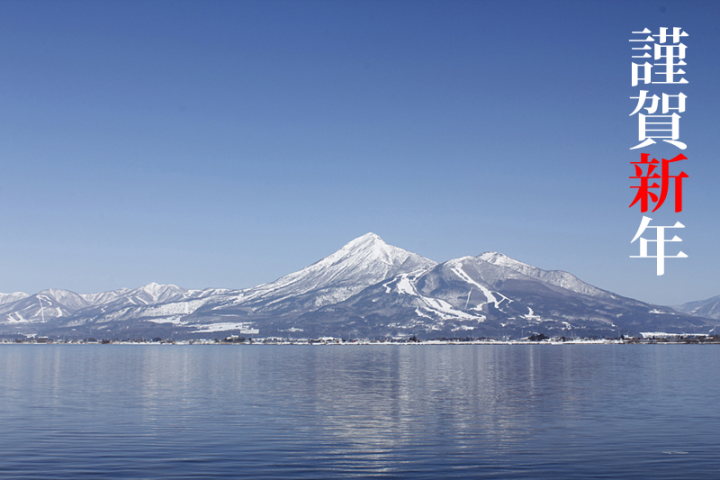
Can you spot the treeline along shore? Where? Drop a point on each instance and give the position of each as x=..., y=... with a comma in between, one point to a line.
x=541, y=339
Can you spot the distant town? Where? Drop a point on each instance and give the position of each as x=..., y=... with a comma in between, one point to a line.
x=539, y=339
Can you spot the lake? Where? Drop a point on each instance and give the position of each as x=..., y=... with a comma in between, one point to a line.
x=371, y=411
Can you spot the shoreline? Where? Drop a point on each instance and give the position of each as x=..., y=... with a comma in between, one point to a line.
x=630, y=341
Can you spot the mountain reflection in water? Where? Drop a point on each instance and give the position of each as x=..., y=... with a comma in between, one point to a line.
x=573, y=411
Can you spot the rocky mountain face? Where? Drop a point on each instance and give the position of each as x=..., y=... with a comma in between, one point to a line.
x=367, y=289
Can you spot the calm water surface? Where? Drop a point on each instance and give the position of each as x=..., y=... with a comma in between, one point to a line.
x=583, y=411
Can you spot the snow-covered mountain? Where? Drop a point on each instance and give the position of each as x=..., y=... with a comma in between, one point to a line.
x=362, y=262
x=482, y=296
x=70, y=312
x=709, y=308
x=366, y=289
x=12, y=297
x=553, y=277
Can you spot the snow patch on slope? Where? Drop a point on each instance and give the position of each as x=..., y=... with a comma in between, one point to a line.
x=456, y=267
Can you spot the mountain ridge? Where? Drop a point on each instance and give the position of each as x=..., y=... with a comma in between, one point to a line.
x=367, y=288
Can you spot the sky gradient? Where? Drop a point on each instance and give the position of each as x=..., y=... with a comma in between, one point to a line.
x=225, y=144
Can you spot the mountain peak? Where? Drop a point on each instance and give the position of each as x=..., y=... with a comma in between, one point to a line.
x=157, y=292
x=369, y=252
x=158, y=287
x=360, y=263
x=365, y=244
x=502, y=260
x=558, y=278
x=367, y=239
x=370, y=235
x=12, y=297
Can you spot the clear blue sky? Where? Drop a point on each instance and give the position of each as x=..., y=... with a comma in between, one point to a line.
x=224, y=144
